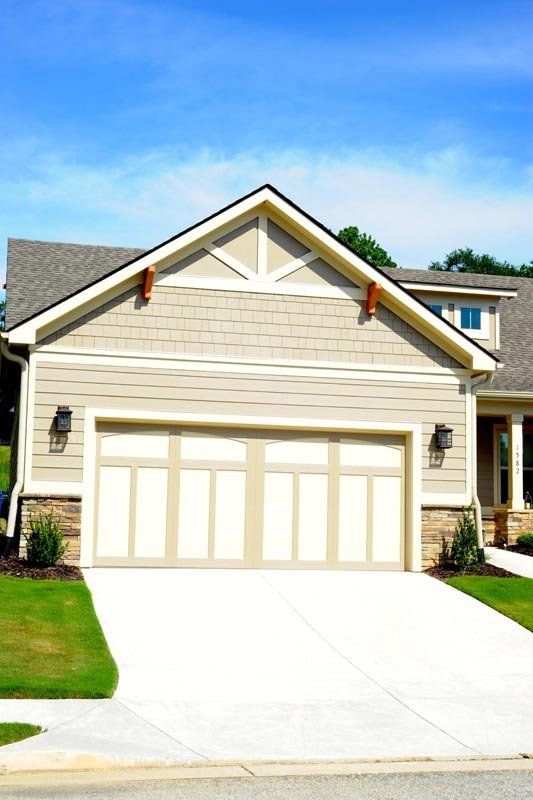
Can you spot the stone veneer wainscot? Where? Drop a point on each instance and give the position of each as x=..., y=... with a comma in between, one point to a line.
x=67, y=510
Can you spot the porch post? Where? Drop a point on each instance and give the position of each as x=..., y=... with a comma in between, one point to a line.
x=516, y=480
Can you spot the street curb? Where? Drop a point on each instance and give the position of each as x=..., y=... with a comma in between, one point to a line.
x=45, y=769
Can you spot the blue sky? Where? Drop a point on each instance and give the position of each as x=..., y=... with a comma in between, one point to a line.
x=122, y=122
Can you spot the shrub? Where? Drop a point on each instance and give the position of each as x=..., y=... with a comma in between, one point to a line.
x=45, y=544
x=464, y=549
x=525, y=540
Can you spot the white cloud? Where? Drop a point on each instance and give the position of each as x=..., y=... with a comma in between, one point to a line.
x=418, y=210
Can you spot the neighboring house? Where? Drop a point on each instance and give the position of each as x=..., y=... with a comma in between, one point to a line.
x=251, y=393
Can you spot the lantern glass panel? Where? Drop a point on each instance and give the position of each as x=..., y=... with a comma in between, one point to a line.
x=444, y=437
x=63, y=416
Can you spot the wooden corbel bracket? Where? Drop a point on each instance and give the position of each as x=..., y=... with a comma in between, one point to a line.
x=148, y=279
x=372, y=296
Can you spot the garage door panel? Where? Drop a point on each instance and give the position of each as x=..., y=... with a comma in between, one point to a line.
x=278, y=516
x=230, y=514
x=151, y=522
x=297, y=451
x=352, y=537
x=313, y=517
x=114, y=511
x=209, y=447
x=193, y=518
x=136, y=445
x=387, y=518
x=363, y=454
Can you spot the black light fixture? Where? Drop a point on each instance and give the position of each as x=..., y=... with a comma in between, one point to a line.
x=64, y=419
x=443, y=436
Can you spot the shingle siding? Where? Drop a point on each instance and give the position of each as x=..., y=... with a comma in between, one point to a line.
x=221, y=323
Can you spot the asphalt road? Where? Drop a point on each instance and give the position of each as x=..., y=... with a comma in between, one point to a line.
x=444, y=786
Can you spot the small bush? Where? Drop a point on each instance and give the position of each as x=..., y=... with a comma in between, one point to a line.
x=525, y=540
x=464, y=549
x=45, y=546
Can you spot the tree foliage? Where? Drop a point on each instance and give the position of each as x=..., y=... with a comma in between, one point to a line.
x=365, y=246
x=2, y=314
x=465, y=260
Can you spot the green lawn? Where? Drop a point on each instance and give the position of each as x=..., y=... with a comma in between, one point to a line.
x=51, y=643
x=4, y=468
x=15, y=731
x=510, y=596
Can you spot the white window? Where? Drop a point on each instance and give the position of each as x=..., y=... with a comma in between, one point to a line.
x=470, y=318
x=473, y=320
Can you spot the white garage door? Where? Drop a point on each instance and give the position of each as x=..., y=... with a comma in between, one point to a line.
x=209, y=497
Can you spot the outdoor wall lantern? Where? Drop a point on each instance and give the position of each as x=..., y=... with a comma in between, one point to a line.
x=64, y=419
x=443, y=436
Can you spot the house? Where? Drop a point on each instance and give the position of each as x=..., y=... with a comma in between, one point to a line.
x=251, y=393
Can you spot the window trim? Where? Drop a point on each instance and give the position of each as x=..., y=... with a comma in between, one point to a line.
x=475, y=333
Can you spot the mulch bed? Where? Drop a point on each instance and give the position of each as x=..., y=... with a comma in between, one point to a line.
x=445, y=572
x=19, y=568
x=516, y=548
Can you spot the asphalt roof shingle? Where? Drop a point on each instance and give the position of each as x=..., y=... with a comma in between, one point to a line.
x=41, y=274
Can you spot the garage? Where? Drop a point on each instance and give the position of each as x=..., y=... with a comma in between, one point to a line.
x=210, y=497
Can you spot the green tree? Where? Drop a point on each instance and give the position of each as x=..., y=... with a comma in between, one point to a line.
x=465, y=260
x=365, y=246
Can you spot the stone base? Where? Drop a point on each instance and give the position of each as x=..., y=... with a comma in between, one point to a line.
x=489, y=529
x=438, y=524
x=510, y=524
x=67, y=510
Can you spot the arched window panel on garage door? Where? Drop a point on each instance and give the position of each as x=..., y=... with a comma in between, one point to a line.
x=148, y=443
x=307, y=451
x=211, y=447
x=370, y=453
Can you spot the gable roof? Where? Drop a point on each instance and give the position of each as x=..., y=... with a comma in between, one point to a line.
x=516, y=330
x=269, y=199
x=40, y=274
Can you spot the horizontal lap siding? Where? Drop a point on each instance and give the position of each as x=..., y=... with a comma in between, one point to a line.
x=257, y=395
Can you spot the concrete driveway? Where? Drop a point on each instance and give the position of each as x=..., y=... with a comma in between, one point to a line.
x=316, y=665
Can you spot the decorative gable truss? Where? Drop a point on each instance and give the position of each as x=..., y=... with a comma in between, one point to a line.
x=258, y=255
x=247, y=247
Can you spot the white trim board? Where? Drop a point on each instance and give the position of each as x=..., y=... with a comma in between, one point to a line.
x=262, y=201
x=439, y=288
x=63, y=488
x=412, y=431
x=319, y=369
x=445, y=499
x=254, y=286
